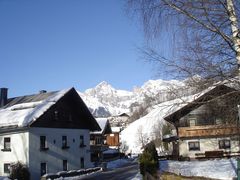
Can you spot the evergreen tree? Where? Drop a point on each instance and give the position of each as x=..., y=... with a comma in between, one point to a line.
x=149, y=160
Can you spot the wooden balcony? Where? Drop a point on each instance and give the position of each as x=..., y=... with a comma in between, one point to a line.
x=208, y=130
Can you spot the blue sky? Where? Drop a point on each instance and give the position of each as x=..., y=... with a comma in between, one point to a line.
x=56, y=44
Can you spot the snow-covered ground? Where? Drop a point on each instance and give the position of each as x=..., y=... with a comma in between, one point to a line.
x=4, y=178
x=118, y=163
x=225, y=169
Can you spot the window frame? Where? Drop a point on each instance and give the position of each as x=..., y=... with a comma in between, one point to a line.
x=98, y=140
x=43, y=143
x=6, y=144
x=64, y=142
x=195, y=147
x=82, y=163
x=224, y=146
x=41, y=168
x=81, y=143
x=6, y=170
x=65, y=165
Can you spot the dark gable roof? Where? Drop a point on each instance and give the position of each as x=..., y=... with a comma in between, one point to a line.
x=217, y=91
x=124, y=114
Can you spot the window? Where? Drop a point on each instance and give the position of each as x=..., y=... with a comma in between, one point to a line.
x=194, y=146
x=82, y=141
x=98, y=140
x=7, y=144
x=92, y=142
x=192, y=121
x=55, y=115
x=65, y=168
x=82, y=162
x=43, y=168
x=6, y=168
x=43, y=143
x=64, y=142
x=224, y=144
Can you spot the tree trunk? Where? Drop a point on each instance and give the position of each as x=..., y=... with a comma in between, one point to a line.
x=235, y=31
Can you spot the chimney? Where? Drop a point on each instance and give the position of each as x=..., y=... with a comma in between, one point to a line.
x=3, y=96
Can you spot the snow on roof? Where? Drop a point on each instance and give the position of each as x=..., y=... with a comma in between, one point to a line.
x=116, y=129
x=102, y=122
x=24, y=114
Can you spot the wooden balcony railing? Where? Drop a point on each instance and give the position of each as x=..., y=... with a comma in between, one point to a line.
x=208, y=130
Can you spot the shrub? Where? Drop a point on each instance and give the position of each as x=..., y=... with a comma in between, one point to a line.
x=151, y=148
x=19, y=171
x=148, y=161
x=147, y=164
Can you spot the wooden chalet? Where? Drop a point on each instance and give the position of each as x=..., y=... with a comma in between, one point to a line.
x=207, y=126
x=98, y=140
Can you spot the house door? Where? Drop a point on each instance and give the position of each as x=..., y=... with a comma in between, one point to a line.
x=175, y=152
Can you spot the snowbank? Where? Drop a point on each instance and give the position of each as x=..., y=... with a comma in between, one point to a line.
x=225, y=169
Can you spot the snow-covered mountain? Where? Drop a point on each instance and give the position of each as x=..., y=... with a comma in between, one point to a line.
x=104, y=100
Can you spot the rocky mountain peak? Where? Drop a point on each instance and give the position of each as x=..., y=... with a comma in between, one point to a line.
x=110, y=101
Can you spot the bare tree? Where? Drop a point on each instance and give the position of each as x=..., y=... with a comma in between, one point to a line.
x=142, y=138
x=205, y=33
x=124, y=147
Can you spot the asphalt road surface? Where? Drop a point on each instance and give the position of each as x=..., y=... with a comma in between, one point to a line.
x=124, y=173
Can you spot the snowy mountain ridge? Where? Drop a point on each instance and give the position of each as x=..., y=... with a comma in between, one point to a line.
x=104, y=100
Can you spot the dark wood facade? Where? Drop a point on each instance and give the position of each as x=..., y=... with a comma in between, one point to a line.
x=98, y=142
x=68, y=112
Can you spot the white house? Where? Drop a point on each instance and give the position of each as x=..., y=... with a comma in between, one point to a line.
x=49, y=132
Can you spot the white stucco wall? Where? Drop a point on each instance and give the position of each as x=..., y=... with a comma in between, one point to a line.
x=55, y=155
x=206, y=144
x=19, y=149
